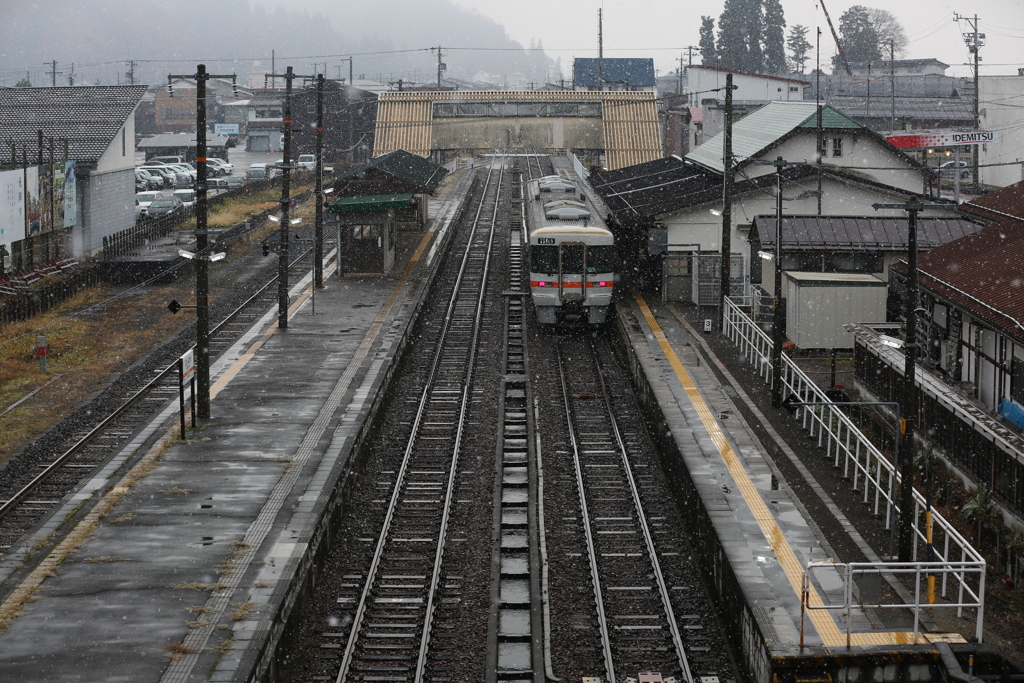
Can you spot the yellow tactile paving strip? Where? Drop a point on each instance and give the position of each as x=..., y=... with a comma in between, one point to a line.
x=830, y=633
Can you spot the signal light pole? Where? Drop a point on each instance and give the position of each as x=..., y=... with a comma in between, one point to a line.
x=202, y=259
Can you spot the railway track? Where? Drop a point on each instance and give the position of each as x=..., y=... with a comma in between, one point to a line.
x=392, y=605
x=31, y=492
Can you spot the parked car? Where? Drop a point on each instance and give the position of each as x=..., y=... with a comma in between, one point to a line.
x=144, y=199
x=307, y=161
x=170, y=177
x=138, y=210
x=156, y=180
x=190, y=173
x=187, y=197
x=216, y=186
x=234, y=181
x=258, y=171
x=227, y=168
x=164, y=206
x=947, y=169
x=168, y=160
x=142, y=181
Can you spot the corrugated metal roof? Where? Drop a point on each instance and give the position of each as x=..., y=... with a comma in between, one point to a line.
x=953, y=109
x=630, y=119
x=617, y=71
x=375, y=202
x=983, y=273
x=181, y=140
x=88, y=117
x=762, y=128
x=859, y=233
x=654, y=187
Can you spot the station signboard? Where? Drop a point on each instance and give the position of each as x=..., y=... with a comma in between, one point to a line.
x=225, y=129
x=942, y=138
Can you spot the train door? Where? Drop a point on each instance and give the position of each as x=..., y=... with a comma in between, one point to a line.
x=572, y=264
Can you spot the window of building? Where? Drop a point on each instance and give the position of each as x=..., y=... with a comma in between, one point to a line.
x=837, y=147
x=1017, y=380
x=794, y=88
x=124, y=146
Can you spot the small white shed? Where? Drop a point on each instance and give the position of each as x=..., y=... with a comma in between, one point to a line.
x=818, y=305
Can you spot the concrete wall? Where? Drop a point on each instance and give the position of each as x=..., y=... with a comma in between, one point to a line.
x=120, y=154
x=749, y=86
x=1000, y=102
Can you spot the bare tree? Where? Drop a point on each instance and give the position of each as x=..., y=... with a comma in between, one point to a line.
x=888, y=29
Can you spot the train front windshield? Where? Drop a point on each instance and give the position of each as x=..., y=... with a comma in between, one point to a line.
x=545, y=259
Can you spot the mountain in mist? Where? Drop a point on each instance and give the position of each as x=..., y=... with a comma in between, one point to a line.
x=388, y=38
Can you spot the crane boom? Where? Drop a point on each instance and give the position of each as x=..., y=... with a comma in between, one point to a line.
x=835, y=36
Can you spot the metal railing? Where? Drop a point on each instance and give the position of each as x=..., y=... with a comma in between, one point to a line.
x=864, y=463
x=919, y=570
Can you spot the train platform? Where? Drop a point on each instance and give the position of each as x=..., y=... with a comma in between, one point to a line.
x=186, y=555
x=759, y=536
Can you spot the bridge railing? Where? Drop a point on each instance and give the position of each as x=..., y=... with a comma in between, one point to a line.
x=870, y=471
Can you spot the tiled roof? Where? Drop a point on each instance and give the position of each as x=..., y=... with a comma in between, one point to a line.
x=653, y=188
x=181, y=140
x=88, y=117
x=859, y=233
x=376, y=202
x=424, y=174
x=770, y=77
x=634, y=72
x=647, y=191
x=983, y=273
x=927, y=108
x=1005, y=203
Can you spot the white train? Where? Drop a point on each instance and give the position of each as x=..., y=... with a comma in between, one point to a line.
x=571, y=254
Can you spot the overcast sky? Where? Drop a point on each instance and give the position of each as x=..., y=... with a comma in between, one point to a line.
x=662, y=29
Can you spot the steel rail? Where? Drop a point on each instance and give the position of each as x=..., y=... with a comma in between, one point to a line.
x=684, y=664
x=402, y=473
x=8, y=505
x=602, y=620
x=421, y=661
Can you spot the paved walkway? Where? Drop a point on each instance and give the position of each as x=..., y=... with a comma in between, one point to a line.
x=191, y=552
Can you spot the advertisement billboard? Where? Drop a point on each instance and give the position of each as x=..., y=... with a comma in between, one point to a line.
x=942, y=138
x=225, y=129
x=70, y=195
x=12, y=206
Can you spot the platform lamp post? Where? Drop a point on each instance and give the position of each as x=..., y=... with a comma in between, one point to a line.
x=318, y=247
x=202, y=258
x=908, y=396
x=285, y=201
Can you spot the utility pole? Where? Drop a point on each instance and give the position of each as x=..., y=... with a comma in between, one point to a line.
x=892, y=83
x=71, y=75
x=600, y=49
x=725, y=267
x=679, y=76
x=909, y=393
x=53, y=73
x=131, y=71
x=441, y=66
x=285, y=201
x=820, y=152
x=974, y=45
x=318, y=247
x=202, y=257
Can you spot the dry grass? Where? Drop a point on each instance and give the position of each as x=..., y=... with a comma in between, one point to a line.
x=196, y=624
x=84, y=350
x=200, y=586
x=261, y=584
x=177, y=650
x=123, y=518
x=198, y=609
x=242, y=610
x=240, y=544
x=177, y=489
x=223, y=648
x=105, y=558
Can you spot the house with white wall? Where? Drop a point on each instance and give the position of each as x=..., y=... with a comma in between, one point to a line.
x=1000, y=108
x=707, y=84
x=98, y=125
x=672, y=208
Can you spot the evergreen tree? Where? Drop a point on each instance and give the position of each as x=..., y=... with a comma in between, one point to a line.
x=799, y=46
x=734, y=33
x=23, y=83
x=774, y=38
x=708, y=52
x=858, y=34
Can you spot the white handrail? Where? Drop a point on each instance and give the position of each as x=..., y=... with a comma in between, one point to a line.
x=843, y=440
